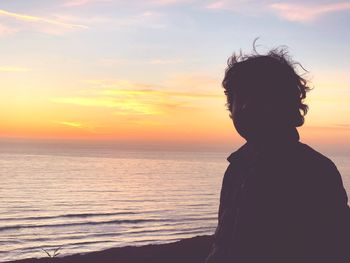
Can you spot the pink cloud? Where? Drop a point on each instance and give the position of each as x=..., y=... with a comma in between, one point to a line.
x=245, y=7
x=6, y=30
x=216, y=5
x=72, y=3
x=169, y=2
x=306, y=13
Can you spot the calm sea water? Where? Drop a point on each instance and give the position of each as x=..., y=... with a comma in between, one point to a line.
x=86, y=200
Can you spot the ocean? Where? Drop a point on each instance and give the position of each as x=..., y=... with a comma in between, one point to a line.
x=83, y=199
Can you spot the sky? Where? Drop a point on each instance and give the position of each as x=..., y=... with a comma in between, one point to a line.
x=150, y=71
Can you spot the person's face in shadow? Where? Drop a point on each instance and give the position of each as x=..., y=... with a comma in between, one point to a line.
x=239, y=114
x=252, y=116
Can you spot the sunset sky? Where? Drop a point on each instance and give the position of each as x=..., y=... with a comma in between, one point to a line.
x=150, y=71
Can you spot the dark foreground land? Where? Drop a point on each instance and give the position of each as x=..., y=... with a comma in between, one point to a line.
x=192, y=250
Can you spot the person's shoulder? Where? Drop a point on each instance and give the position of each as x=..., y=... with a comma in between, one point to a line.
x=319, y=168
x=312, y=156
x=237, y=155
x=235, y=160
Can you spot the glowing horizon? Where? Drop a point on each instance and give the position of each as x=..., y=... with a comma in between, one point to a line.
x=150, y=71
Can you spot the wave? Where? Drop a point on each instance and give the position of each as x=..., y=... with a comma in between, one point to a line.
x=81, y=236
x=132, y=221
x=80, y=215
x=123, y=221
x=152, y=239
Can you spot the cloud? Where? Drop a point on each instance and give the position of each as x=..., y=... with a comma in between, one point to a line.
x=37, y=19
x=169, y=2
x=13, y=69
x=216, y=5
x=173, y=87
x=126, y=98
x=6, y=30
x=306, y=13
x=243, y=6
x=141, y=19
x=70, y=124
x=162, y=93
x=76, y=3
x=58, y=26
x=291, y=11
x=124, y=106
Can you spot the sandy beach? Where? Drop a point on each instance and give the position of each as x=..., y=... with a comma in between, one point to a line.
x=191, y=250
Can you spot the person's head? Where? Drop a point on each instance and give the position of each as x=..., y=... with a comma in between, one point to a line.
x=264, y=92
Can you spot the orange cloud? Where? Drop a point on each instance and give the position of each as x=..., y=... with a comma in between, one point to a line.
x=125, y=106
x=70, y=124
x=138, y=100
x=173, y=86
x=161, y=93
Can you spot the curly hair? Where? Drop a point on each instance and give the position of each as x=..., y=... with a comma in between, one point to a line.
x=269, y=79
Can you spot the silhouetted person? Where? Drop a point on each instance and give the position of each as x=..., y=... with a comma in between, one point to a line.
x=281, y=201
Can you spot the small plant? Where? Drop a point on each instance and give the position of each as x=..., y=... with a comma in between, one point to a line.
x=53, y=254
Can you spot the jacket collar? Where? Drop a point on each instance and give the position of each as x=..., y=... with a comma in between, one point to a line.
x=273, y=141
x=238, y=154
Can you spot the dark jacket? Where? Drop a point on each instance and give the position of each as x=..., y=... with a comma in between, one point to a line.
x=281, y=201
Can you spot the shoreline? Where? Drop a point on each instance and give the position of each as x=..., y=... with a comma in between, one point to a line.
x=189, y=250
